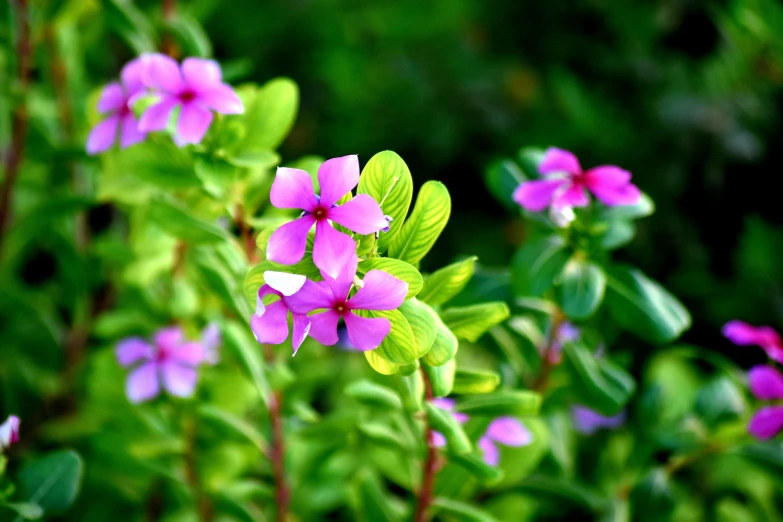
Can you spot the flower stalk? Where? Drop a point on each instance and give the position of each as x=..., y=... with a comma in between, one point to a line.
x=277, y=450
x=430, y=466
x=547, y=364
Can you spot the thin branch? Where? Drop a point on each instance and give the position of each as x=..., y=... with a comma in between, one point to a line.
x=277, y=452
x=430, y=467
x=547, y=365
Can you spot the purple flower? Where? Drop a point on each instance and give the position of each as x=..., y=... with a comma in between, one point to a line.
x=197, y=89
x=270, y=322
x=332, y=250
x=210, y=342
x=379, y=291
x=9, y=432
x=565, y=184
x=766, y=383
x=171, y=361
x=115, y=102
x=743, y=334
x=589, y=421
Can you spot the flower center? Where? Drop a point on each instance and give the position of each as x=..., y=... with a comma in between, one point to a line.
x=187, y=96
x=162, y=354
x=319, y=213
x=340, y=308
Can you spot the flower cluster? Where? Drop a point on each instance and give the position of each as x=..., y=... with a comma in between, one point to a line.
x=195, y=88
x=170, y=362
x=334, y=253
x=9, y=432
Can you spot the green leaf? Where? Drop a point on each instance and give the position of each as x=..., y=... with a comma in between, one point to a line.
x=443, y=284
x=399, y=269
x=247, y=350
x=371, y=502
x=387, y=180
x=581, y=289
x=617, y=233
x=426, y=222
x=502, y=178
x=179, y=223
x=463, y=511
x=652, y=499
x=383, y=434
x=642, y=208
x=25, y=510
x=254, y=158
x=444, y=422
x=441, y=377
x=373, y=394
x=643, y=306
x=477, y=467
x=216, y=175
x=424, y=323
x=471, y=322
x=557, y=490
x=399, y=347
x=235, y=425
x=190, y=33
x=506, y=402
x=52, y=481
x=445, y=346
x=475, y=381
x=537, y=265
x=412, y=391
x=598, y=384
x=255, y=276
x=380, y=364
x=270, y=115
x=720, y=400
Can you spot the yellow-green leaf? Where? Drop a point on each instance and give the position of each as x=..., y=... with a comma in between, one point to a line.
x=399, y=346
x=470, y=322
x=423, y=321
x=444, y=348
x=447, y=282
x=399, y=269
x=427, y=221
x=441, y=377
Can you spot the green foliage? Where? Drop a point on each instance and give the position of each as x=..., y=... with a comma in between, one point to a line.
x=422, y=228
x=581, y=289
x=471, y=322
x=598, y=384
x=447, y=282
x=52, y=482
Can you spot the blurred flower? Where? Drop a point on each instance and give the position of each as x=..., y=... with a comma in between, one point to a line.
x=210, y=342
x=561, y=216
x=566, y=185
x=589, y=421
x=170, y=362
x=566, y=333
x=115, y=101
x=293, y=188
x=196, y=88
x=766, y=383
x=270, y=322
x=743, y=334
x=9, y=432
x=380, y=291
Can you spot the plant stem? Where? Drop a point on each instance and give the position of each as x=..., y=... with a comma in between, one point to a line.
x=168, y=46
x=430, y=467
x=547, y=365
x=24, y=54
x=246, y=233
x=277, y=451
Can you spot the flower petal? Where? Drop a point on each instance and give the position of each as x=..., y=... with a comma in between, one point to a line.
x=143, y=383
x=161, y=72
x=201, y=74
x=381, y=291
x=573, y=196
x=444, y=403
x=323, y=327
x=607, y=184
x=130, y=133
x=537, y=195
x=744, y=334
x=489, y=451
x=222, y=99
x=287, y=244
x=132, y=350
x=587, y=421
x=293, y=188
x=437, y=439
x=191, y=354
x=112, y=98
x=767, y=422
x=179, y=380
x=169, y=338
x=362, y=214
x=559, y=160
x=509, y=431
x=271, y=326
x=9, y=432
x=286, y=284
x=132, y=76
x=301, y=329
x=366, y=333
x=766, y=382
x=102, y=136
x=341, y=285
x=210, y=342
x=337, y=176
x=332, y=250
x=157, y=116
x=312, y=296
x=194, y=121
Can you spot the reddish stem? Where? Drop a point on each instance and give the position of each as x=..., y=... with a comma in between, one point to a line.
x=541, y=380
x=168, y=46
x=246, y=233
x=277, y=451
x=430, y=467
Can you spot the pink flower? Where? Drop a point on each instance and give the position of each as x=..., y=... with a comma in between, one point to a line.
x=380, y=291
x=293, y=188
x=743, y=334
x=115, y=101
x=171, y=362
x=766, y=383
x=197, y=88
x=270, y=322
x=9, y=432
x=566, y=185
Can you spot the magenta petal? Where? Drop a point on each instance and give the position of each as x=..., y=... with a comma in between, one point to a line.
x=767, y=422
x=744, y=334
x=766, y=382
x=200, y=74
x=143, y=383
x=156, y=117
x=337, y=177
x=612, y=185
x=460, y=417
x=301, y=328
x=179, y=380
x=191, y=354
x=381, y=291
x=323, y=327
x=312, y=296
x=132, y=76
x=132, y=350
x=130, y=133
x=573, y=196
x=537, y=195
x=169, y=338
x=559, y=160
x=437, y=439
x=102, y=136
x=509, y=431
x=332, y=250
x=293, y=188
x=607, y=175
x=444, y=403
x=287, y=244
x=362, y=214
x=366, y=333
x=341, y=285
x=112, y=98
x=627, y=194
x=222, y=99
x=489, y=451
x=271, y=327
x=161, y=72
x=193, y=124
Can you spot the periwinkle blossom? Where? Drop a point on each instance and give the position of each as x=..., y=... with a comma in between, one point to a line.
x=210, y=342
x=9, y=432
x=565, y=184
x=170, y=362
x=766, y=383
x=588, y=421
x=115, y=102
x=196, y=88
x=744, y=334
x=379, y=291
x=332, y=249
x=270, y=322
